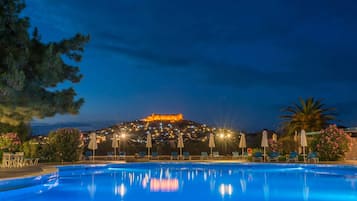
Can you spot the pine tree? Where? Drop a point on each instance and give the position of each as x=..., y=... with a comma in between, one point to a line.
x=30, y=70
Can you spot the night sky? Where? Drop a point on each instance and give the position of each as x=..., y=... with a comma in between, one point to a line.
x=223, y=63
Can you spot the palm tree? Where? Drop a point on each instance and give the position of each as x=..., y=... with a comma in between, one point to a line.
x=310, y=115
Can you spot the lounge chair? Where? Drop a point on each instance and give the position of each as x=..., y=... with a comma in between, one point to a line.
x=87, y=155
x=174, y=156
x=110, y=155
x=34, y=161
x=204, y=155
x=293, y=157
x=19, y=160
x=235, y=155
x=6, y=160
x=122, y=155
x=186, y=155
x=141, y=154
x=154, y=155
x=273, y=156
x=312, y=157
x=216, y=155
x=245, y=155
x=257, y=156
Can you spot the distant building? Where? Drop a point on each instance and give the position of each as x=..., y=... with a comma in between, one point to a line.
x=164, y=117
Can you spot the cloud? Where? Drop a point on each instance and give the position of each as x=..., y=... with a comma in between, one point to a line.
x=143, y=55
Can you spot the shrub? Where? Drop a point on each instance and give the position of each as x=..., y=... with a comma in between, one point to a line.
x=31, y=148
x=64, y=145
x=288, y=144
x=333, y=143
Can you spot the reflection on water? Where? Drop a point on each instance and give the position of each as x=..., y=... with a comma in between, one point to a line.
x=164, y=185
x=266, y=187
x=92, y=188
x=120, y=190
x=225, y=189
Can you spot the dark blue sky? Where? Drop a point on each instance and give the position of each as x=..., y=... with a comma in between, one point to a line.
x=225, y=63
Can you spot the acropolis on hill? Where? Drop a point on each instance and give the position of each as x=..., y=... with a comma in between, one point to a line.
x=164, y=117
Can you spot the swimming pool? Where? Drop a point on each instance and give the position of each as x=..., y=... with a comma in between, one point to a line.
x=188, y=181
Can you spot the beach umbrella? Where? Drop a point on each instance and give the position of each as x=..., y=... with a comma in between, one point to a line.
x=303, y=142
x=115, y=144
x=180, y=143
x=211, y=143
x=93, y=143
x=275, y=137
x=296, y=140
x=148, y=143
x=242, y=142
x=295, y=137
x=264, y=143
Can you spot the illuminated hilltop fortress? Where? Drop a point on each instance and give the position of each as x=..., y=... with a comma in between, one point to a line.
x=164, y=117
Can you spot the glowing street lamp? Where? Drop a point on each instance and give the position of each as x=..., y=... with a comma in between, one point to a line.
x=123, y=135
x=225, y=136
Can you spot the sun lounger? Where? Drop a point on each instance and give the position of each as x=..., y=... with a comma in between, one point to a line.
x=18, y=160
x=87, y=155
x=142, y=154
x=154, y=155
x=204, y=155
x=312, y=157
x=174, y=156
x=6, y=160
x=216, y=155
x=235, y=155
x=273, y=156
x=257, y=156
x=110, y=155
x=122, y=155
x=293, y=157
x=186, y=155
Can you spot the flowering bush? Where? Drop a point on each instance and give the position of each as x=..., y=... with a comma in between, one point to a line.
x=333, y=143
x=9, y=142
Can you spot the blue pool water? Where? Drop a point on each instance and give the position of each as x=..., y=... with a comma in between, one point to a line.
x=188, y=181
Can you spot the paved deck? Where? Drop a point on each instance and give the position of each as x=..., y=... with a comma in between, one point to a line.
x=6, y=173
x=25, y=171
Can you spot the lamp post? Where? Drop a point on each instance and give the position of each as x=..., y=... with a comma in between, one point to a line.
x=123, y=136
x=225, y=136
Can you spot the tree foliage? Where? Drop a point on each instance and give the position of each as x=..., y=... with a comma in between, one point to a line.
x=22, y=130
x=309, y=114
x=65, y=144
x=30, y=70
